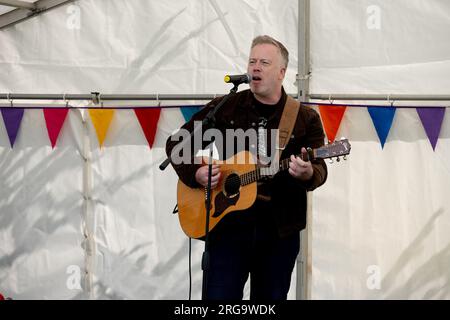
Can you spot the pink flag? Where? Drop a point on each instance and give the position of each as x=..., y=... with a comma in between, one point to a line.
x=54, y=119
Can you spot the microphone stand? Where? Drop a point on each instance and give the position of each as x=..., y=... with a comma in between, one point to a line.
x=205, y=255
x=210, y=122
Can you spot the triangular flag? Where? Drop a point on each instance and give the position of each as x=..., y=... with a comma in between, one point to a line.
x=189, y=111
x=331, y=119
x=101, y=118
x=12, y=117
x=382, y=119
x=148, y=118
x=54, y=119
x=432, y=120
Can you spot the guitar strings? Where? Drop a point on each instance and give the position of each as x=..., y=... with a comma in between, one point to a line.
x=252, y=176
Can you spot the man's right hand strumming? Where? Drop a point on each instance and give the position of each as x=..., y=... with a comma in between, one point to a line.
x=201, y=176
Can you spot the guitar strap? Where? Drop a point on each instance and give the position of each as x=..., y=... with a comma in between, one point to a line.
x=285, y=128
x=287, y=122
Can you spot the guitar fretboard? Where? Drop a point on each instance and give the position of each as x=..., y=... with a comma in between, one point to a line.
x=336, y=149
x=260, y=172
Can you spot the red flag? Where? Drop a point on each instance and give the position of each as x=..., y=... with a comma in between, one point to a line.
x=331, y=119
x=54, y=119
x=148, y=118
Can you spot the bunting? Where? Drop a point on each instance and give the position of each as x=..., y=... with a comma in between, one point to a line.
x=189, y=111
x=54, y=120
x=12, y=117
x=331, y=116
x=101, y=119
x=382, y=120
x=432, y=121
x=331, y=119
x=148, y=118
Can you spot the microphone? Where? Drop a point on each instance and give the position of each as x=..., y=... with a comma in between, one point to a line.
x=238, y=79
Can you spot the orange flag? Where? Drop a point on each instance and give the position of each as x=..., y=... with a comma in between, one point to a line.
x=331, y=119
x=101, y=119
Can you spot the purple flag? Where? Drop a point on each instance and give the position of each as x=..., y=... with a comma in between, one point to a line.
x=12, y=117
x=432, y=120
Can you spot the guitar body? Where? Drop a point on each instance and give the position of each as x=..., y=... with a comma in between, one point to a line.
x=237, y=188
x=229, y=195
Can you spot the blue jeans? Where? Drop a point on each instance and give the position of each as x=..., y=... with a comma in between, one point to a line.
x=251, y=249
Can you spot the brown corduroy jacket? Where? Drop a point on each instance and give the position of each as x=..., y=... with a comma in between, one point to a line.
x=288, y=194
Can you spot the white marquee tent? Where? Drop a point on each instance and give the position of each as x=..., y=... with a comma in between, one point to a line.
x=80, y=221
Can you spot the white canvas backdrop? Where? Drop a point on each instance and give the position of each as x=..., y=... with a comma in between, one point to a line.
x=122, y=231
x=380, y=224
x=384, y=213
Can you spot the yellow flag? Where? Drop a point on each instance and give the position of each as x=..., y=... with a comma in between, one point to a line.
x=101, y=118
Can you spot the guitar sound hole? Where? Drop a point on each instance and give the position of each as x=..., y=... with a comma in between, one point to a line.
x=232, y=185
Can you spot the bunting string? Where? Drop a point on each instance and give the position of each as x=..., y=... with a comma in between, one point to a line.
x=331, y=115
x=382, y=119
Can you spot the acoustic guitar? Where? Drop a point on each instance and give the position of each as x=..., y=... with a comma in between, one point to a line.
x=237, y=187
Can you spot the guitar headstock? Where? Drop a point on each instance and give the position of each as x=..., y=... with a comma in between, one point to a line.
x=333, y=150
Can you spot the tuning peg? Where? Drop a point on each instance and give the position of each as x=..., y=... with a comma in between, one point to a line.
x=344, y=157
x=338, y=159
x=331, y=161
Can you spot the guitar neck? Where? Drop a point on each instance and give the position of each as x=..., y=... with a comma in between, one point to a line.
x=336, y=149
x=264, y=172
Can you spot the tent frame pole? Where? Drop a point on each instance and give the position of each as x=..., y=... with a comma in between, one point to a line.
x=303, y=74
x=26, y=10
x=303, y=95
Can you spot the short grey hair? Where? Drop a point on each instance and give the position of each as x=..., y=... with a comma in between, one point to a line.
x=265, y=39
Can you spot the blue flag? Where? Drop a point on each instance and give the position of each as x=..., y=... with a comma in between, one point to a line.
x=189, y=111
x=382, y=120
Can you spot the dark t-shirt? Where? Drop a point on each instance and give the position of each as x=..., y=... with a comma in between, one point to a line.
x=266, y=110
